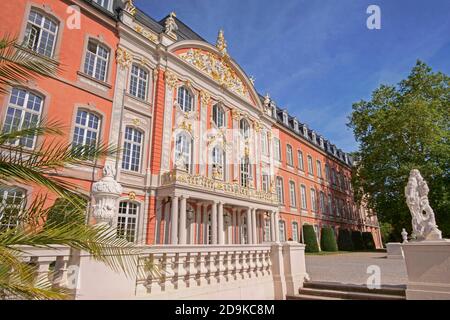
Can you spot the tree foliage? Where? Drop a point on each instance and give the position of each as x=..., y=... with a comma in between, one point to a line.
x=401, y=128
x=310, y=238
x=328, y=240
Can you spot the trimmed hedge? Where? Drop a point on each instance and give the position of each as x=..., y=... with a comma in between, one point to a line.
x=357, y=239
x=309, y=236
x=369, y=243
x=328, y=240
x=345, y=240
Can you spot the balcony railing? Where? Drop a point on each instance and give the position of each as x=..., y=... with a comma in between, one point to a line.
x=232, y=189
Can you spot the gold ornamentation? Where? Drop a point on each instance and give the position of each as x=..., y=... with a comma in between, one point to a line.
x=221, y=43
x=205, y=98
x=217, y=68
x=236, y=114
x=130, y=8
x=149, y=35
x=185, y=126
x=132, y=196
x=136, y=122
x=257, y=126
x=123, y=57
x=171, y=79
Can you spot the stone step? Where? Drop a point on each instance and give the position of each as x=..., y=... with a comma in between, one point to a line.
x=348, y=295
x=399, y=291
x=308, y=297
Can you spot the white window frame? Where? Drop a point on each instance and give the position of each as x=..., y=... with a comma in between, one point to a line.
x=219, y=116
x=185, y=99
x=319, y=168
x=139, y=82
x=300, y=160
x=303, y=195
x=289, y=155
x=24, y=113
x=313, y=200
x=282, y=229
x=134, y=147
x=41, y=29
x=280, y=189
x=292, y=194
x=218, y=159
x=295, y=229
x=90, y=115
x=128, y=216
x=7, y=192
x=183, y=147
x=97, y=57
x=245, y=172
x=310, y=165
x=107, y=4
x=276, y=149
x=244, y=128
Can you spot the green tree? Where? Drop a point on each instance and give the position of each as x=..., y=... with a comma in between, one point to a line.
x=65, y=220
x=328, y=240
x=401, y=128
x=310, y=238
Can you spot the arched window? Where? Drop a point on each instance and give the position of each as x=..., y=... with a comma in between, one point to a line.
x=96, y=60
x=41, y=33
x=218, y=116
x=138, y=82
x=244, y=128
x=12, y=201
x=132, y=146
x=289, y=155
x=245, y=172
x=24, y=111
x=185, y=99
x=127, y=220
x=183, y=150
x=279, y=189
x=87, y=129
x=218, y=163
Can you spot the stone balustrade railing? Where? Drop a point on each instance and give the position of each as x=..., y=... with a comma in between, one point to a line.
x=201, y=266
x=233, y=189
x=267, y=271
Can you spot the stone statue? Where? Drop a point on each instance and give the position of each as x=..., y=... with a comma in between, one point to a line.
x=405, y=236
x=106, y=192
x=423, y=218
x=171, y=25
x=180, y=163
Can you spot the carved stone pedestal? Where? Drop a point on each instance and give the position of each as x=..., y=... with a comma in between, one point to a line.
x=428, y=268
x=394, y=250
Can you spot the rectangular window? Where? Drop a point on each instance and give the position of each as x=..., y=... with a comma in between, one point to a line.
x=127, y=221
x=300, y=160
x=295, y=232
x=132, y=146
x=282, y=227
x=319, y=169
x=280, y=192
x=289, y=155
x=138, y=82
x=276, y=149
x=12, y=202
x=310, y=166
x=265, y=144
x=303, y=196
x=24, y=111
x=265, y=182
x=327, y=173
x=330, y=205
x=87, y=127
x=292, y=194
x=41, y=33
x=267, y=230
x=322, y=202
x=96, y=61
x=313, y=200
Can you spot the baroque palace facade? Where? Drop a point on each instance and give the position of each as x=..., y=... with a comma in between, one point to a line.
x=204, y=158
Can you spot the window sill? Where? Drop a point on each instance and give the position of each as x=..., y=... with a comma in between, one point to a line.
x=104, y=85
x=38, y=55
x=132, y=173
x=138, y=100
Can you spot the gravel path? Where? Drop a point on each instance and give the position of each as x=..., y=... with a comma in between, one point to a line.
x=351, y=268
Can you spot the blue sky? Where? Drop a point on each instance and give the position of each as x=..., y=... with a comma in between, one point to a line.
x=317, y=57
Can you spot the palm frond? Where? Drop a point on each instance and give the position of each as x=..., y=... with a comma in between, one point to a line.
x=43, y=127
x=18, y=64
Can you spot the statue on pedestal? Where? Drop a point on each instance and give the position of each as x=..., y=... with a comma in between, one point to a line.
x=423, y=218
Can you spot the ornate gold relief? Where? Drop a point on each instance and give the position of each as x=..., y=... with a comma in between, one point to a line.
x=136, y=122
x=185, y=126
x=217, y=68
x=171, y=79
x=221, y=43
x=235, y=114
x=124, y=58
x=149, y=35
x=132, y=196
x=257, y=126
x=205, y=98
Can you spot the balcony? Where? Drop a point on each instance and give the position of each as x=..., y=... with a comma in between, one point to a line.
x=183, y=178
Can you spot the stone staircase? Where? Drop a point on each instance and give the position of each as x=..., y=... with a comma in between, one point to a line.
x=337, y=291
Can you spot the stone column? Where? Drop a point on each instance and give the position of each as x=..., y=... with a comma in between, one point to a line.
x=174, y=221
x=220, y=224
x=272, y=227
x=205, y=224
x=198, y=225
x=214, y=223
x=254, y=228
x=159, y=222
x=182, y=228
x=233, y=227
x=249, y=227
x=277, y=226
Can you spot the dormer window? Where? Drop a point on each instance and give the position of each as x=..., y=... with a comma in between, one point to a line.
x=321, y=143
x=285, y=118
x=305, y=131
x=296, y=125
x=314, y=138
